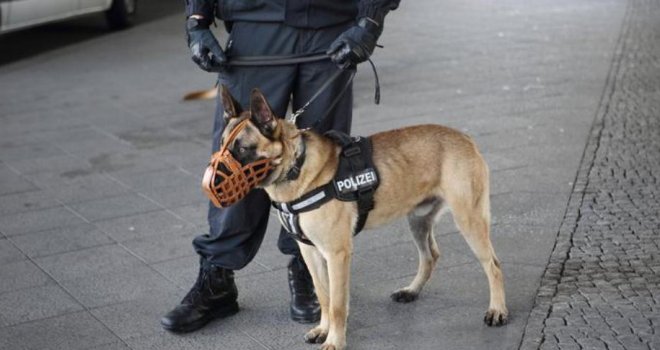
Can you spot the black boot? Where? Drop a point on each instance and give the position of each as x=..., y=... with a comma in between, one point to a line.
x=304, y=305
x=212, y=296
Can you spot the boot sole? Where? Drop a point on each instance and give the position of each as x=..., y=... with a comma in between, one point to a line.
x=305, y=320
x=221, y=312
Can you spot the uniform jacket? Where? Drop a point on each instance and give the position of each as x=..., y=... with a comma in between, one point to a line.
x=296, y=13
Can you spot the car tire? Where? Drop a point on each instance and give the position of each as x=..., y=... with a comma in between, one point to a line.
x=120, y=14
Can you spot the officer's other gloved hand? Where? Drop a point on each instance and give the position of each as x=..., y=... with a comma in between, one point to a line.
x=356, y=44
x=205, y=49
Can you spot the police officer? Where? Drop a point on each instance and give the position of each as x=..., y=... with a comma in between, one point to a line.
x=347, y=30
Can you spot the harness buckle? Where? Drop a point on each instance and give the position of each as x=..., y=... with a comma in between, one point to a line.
x=351, y=151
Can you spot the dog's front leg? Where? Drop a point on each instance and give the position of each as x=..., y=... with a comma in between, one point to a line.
x=339, y=263
x=318, y=269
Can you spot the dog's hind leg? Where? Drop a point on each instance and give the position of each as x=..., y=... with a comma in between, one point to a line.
x=421, y=221
x=471, y=210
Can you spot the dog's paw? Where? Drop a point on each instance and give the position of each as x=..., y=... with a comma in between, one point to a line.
x=331, y=347
x=404, y=296
x=316, y=335
x=496, y=318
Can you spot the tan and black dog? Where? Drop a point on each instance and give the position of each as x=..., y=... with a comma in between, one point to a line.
x=423, y=170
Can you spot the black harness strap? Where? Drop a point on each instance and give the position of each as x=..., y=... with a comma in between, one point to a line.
x=356, y=180
x=356, y=161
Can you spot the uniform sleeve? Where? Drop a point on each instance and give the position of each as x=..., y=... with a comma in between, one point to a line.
x=205, y=8
x=376, y=9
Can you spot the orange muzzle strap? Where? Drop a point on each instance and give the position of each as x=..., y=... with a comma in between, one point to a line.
x=226, y=180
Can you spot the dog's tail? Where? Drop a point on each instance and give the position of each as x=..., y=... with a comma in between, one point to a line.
x=208, y=94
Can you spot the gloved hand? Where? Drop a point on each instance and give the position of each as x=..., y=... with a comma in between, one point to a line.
x=206, y=51
x=356, y=44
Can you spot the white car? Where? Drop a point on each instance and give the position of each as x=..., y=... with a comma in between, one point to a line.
x=19, y=14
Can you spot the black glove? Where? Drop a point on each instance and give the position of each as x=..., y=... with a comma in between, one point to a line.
x=356, y=44
x=206, y=51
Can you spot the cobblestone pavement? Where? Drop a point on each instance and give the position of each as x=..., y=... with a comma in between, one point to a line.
x=601, y=289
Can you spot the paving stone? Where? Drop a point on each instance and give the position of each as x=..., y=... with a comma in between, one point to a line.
x=195, y=213
x=61, y=240
x=26, y=201
x=533, y=178
x=50, y=171
x=253, y=295
x=118, y=286
x=157, y=180
x=21, y=274
x=86, y=188
x=177, y=196
x=88, y=263
x=398, y=232
x=190, y=155
x=9, y=253
x=523, y=244
x=107, y=208
x=111, y=346
x=168, y=341
x=122, y=163
x=38, y=220
x=35, y=303
x=138, y=317
x=13, y=183
x=402, y=260
x=423, y=329
x=283, y=334
x=156, y=223
x=68, y=332
x=161, y=248
x=93, y=144
x=537, y=209
x=33, y=151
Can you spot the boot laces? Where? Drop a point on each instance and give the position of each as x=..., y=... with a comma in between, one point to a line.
x=202, y=287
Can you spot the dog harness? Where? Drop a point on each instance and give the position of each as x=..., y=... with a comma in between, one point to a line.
x=355, y=180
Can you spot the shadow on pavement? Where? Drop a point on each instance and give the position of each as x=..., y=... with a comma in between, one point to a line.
x=30, y=42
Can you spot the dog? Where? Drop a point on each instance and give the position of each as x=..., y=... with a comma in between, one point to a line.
x=422, y=170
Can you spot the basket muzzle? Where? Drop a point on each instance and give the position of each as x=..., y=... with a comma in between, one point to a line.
x=226, y=180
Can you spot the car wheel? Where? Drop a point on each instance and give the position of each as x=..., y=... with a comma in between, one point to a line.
x=120, y=14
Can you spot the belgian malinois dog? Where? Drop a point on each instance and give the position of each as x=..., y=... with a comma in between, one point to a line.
x=423, y=170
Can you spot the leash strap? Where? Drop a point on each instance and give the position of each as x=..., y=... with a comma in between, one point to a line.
x=294, y=116
x=252, y=61
x=336, y=75
x=247, y=61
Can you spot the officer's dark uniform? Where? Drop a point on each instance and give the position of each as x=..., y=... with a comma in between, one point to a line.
x=270, y=28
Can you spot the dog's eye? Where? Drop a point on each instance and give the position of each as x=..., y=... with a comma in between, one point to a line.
x=242, y=150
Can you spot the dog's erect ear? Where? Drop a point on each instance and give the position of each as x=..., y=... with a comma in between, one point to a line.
x=261, y=113
x=232, y=108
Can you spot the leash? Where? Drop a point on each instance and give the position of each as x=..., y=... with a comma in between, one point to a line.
x=251, y=61
x=294, y=116
x=247, y=61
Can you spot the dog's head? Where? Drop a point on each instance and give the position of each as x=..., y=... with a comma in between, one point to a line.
x=255, y=148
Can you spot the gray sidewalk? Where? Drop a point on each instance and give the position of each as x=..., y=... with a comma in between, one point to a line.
x=100, y=164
